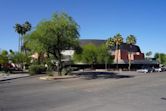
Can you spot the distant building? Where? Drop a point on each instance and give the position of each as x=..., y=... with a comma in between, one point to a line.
x=95, y=42
x=125, y=53
x=83, y=42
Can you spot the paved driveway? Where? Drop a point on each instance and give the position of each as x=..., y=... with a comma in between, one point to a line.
x=140, y=92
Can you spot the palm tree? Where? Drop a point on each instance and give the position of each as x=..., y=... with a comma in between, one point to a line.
x=18, y=29
x=22, y=30
x=131, y=40
x=26, y=27
x=110, y=43
x=118, y=40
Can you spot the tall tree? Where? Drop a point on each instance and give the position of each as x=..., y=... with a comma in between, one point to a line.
x=92, y=54
x=55, y=35
x=26, y=27
x=18, y=29
x=21, y=59
x=131, y=40
x=161, y=58
x=4, y=60
x=22, y=30
x=104, y=56
x=4, y=57
x=77, y=57
x=110, y=43
x=89, y=54
x=35, y=47
x=118, y=40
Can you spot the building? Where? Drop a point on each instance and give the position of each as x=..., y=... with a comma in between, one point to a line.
x=122, y=56
x=127, y=52
x=133, y=53
x=83, y=42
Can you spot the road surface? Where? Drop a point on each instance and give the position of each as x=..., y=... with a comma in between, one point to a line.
x=140, y=92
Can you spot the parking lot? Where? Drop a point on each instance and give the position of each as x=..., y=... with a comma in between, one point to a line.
x=125, y=91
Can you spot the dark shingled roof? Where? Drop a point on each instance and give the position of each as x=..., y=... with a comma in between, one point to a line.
x=127, y=47
x=95, y=42
x=123, y=46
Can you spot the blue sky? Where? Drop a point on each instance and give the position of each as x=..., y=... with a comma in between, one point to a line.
x=98, y=19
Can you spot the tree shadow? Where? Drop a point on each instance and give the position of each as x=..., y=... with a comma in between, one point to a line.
x=163, y=98
x=4, y=82
x=19, y=72
x=103, y=75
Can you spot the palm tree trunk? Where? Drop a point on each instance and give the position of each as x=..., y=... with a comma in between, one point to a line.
x=19, y=43
x=129, y=67
x=117, y=57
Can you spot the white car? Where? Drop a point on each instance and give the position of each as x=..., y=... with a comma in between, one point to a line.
x=143, y=70
x=158, y=69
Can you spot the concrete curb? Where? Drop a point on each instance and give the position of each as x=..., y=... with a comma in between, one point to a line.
x=57, y=77
x=11, y=78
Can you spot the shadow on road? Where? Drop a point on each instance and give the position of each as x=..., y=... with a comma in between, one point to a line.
x=163, y=98
x=19, y=72
x=105, y=75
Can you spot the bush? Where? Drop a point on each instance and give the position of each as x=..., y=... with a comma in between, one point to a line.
x=36, y=69
x=49, y=73
x=68, y=70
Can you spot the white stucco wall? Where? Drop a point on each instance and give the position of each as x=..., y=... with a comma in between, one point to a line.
x=68, y=52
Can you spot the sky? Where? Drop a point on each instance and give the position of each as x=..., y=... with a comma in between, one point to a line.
x=98, y=19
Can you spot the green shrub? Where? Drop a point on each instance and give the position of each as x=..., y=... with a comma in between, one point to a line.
x=49, y=73
x=37, y=69
x=66, y=71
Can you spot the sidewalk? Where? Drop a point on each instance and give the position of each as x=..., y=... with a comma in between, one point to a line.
x=4, y=77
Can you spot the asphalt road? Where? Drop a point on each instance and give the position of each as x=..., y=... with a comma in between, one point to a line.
x=140, y=92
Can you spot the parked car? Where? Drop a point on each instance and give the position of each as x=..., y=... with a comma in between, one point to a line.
x=145, y=70
x=158, y=69
x=163, y=68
